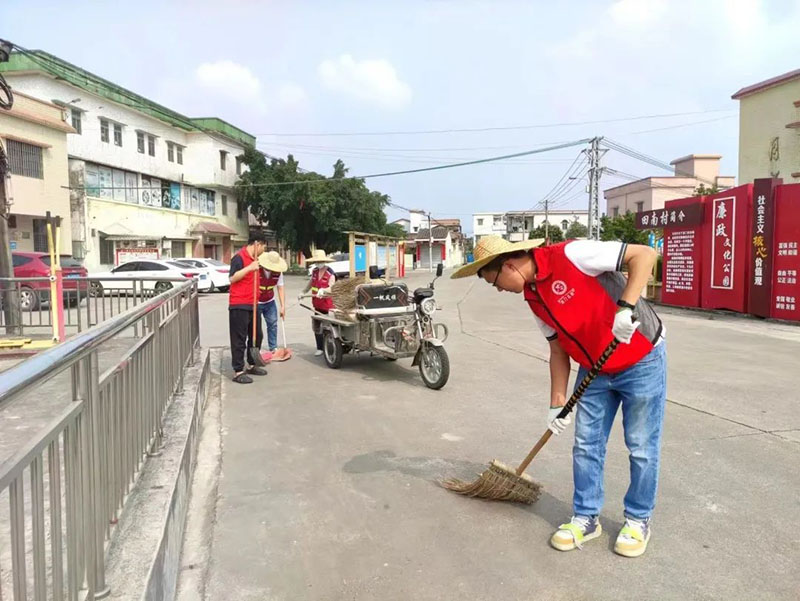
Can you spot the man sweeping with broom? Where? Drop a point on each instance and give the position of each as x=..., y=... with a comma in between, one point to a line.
x=581, y=302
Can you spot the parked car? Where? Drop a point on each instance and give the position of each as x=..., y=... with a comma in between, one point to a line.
x=217, y=271
x=37, y=265
x=149, y=268
x=340, y=265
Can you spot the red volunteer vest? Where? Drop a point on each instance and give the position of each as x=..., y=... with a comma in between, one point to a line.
x=579, y=309
x=266, y=285
x=321, y=278
x=241, y=292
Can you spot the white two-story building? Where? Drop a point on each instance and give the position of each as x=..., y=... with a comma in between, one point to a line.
x=144, y=180
x=517, y=225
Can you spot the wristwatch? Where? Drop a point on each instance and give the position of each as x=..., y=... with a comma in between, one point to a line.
x=626, y=305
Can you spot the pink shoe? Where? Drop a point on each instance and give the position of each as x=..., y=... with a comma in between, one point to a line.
x=266, y=356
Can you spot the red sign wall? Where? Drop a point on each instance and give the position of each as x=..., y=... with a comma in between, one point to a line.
x=726, y=260
x=683, y=246
x=786, y=254
x=762, y=239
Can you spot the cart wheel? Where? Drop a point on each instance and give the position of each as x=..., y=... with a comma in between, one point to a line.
x=434, y=366
x=162, y=287
x=332, y=350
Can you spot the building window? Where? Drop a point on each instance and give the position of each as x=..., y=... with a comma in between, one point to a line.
x=564, y=225
x=240, y=209
x=497, y=220
x=170, y=152
x=103, y=130
x=224, y=202
x=640, y=207
x=238, y=165
x=106, y=251
x=480, y=221
x=151, y=146
x=117, y=134
x=76, y=120
x=140, y=142
x=179, y=153
x=223, y=159
x=25, y=159
x=40, y=236
x=616, y=212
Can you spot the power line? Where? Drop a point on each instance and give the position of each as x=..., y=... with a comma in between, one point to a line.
x=385, y=149
x=679, y=125
x=564, y=175
x=500, y=128
x=372, y=175
x=611, y=144
x=411, y=158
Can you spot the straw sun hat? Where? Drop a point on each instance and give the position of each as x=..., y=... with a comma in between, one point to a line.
x=272, y=261
x=319, y=256
x=490, y=247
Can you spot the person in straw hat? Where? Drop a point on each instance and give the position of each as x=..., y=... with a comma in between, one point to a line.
x=270, y=280
x=322, y=278
x=581, y=301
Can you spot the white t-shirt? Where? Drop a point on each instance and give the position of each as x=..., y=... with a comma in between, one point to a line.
x=592, y=257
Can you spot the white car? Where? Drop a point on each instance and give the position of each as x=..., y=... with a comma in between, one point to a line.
x=121, y=278
x=217, y=271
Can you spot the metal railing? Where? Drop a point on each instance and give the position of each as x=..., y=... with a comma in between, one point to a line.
x=68, y=484
x=86, y=301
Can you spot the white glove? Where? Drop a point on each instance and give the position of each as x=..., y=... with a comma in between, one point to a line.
x=556, y=425
x=624, y=326
x=323, y=292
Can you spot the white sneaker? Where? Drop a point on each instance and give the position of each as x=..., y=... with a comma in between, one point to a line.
x=633, y=538
x=317, y=353
x=574, y=533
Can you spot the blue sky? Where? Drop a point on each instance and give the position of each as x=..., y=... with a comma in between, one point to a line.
x=350, y=67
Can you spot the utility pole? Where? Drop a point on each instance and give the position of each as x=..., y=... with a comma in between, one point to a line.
x=430, y=245
x=547, y=221
x=595, y=154
x=12, y=316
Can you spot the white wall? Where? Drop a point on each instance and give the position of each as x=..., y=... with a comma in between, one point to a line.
x=418, y=221
x=489, y=226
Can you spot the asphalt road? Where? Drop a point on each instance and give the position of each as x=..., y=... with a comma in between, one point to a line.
x=321, y=484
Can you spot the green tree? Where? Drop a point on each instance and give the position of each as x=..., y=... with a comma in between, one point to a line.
x=702, y=190
x=576, y=230
x=622, y=228
x=306, y=208
x=553, y=232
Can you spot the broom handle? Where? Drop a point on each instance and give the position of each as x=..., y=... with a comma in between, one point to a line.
x=573, y=400
x=255, y=304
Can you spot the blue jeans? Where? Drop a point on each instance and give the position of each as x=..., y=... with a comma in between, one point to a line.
x=270, y=312
x=642, y=390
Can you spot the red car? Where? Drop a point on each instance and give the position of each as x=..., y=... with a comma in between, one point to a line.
x=37, y=265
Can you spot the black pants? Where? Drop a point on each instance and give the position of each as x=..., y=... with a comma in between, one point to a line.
x=241, y=327
x=317, y=327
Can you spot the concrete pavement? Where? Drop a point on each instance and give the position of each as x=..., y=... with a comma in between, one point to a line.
x=326, y=486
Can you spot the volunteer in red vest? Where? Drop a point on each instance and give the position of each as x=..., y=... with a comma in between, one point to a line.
x=270, y=280
x=322, y=278
x=581, y=300
x=244, y=269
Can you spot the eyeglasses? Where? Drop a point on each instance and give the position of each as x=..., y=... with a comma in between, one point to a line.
x=497, y=277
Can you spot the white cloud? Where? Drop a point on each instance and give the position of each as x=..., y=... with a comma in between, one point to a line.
x=373, y=81
x=231, y=80
x=291, y=95
x=634, y=13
